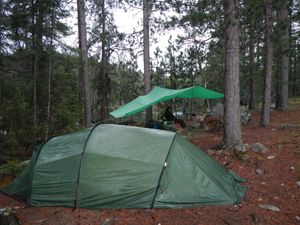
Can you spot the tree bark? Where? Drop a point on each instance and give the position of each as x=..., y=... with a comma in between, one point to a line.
x=232, y=138
x=49, y=79
x=84, y=70
x=49, y=98
x=146, y=43
x=103, y=68
x=252, y=99
x=35, y=75
x=37, y=36
x=292, y=51
x=265, y=111
x=294, y=90
x=33, y=14
x=283, y=75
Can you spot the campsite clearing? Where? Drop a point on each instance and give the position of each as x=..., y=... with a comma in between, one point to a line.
x=271, y=182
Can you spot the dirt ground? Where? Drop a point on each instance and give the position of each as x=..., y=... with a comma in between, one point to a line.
x=274, y=185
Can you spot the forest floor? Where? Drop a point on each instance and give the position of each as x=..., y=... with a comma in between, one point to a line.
x=271, y=176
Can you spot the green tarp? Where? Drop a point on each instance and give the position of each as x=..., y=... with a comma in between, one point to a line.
x=159, y=94
x=113, y=166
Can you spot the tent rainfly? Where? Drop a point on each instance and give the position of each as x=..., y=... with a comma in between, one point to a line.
x=114, y=166
x=159, y=94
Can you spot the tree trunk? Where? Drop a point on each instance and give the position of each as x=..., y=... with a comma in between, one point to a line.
x=232, y=138
x=276, y=71
x=283, y=75
x=292, y=51
x=252, y=99
x=84, y=70
x=37, y=43
x=265, y=112
x=49, y=79
x=35, y=74
x=146, y=42
x=296, y=51
x=49, y=98
x=103, y=69
x=34, y=63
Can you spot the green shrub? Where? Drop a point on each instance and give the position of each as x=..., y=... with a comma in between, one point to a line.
x=12, y=167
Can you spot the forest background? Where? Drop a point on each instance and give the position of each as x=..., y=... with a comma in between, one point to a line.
x=41, y=84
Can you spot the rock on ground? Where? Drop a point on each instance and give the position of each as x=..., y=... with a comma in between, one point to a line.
x=259, y=148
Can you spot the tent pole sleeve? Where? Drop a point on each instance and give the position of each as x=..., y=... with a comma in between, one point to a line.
x=33, y=169
x=76, y=203
x=162, y=172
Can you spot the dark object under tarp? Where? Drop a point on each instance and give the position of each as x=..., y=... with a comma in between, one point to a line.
x=159, y=94
x=168, y=115
x=114, y=166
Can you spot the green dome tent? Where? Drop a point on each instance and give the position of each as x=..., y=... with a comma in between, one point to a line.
x=113, y=166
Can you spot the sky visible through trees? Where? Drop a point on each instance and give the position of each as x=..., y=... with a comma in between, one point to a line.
x=127, y=22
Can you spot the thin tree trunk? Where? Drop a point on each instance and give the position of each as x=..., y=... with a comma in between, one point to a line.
x=265, y=112
x=284, y=57
x=146, y=42
x=84, y=62
x=80, y=88
x=49, y=98
x=276, y=75
x=49, y=80
x=276, y=64
x=292, y=51
x=38, y=50
x=34, y=65
x=103, y=69
x=295, y=73
x=207, y=100
x=252, y=98
x=232, y=138
x=35, y=72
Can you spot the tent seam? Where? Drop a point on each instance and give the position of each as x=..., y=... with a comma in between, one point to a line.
x=162, y=172
x=33, y=169
x=76, y=203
